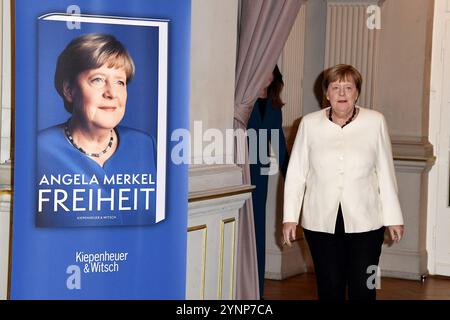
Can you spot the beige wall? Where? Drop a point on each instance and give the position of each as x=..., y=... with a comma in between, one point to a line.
x=213, y=59
x=404, y=61
x=316, y=20
x=212, y=223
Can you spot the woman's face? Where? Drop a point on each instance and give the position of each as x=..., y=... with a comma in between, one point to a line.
x=342, y=95
x=99, y=96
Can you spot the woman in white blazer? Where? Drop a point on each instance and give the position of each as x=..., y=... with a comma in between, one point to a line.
x=341, y=172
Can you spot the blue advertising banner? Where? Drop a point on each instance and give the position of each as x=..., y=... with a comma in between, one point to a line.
x=100, y=210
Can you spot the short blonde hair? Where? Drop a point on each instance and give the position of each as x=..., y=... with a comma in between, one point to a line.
x=341, y=72
x=90, y=51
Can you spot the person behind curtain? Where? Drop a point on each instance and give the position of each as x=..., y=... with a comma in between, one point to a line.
x=265, y=119
x=341, y=171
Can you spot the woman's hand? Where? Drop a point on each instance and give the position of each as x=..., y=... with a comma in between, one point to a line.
x=289, y=229
x=396, y=232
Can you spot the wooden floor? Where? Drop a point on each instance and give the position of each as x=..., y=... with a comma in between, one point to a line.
x=303, y=287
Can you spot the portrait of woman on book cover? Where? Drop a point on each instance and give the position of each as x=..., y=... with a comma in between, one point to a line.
x=92, y=170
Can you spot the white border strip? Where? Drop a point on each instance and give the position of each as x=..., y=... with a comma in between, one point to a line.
x=162, y=90
x=162, y=122
x=104, y=19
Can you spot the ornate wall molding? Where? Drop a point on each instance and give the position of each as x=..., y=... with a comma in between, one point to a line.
x=349, y=40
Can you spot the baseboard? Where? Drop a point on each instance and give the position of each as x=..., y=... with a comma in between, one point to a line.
x=404, y=264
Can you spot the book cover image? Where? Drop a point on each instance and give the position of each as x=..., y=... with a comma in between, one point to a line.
x=101, y=121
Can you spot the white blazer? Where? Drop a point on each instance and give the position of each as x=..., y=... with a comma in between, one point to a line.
x=351, y=165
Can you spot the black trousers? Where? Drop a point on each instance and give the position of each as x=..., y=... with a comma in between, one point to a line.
x=345, y=261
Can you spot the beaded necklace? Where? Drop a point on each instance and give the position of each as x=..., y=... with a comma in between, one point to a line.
x=348, y=121
x=96, y=155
